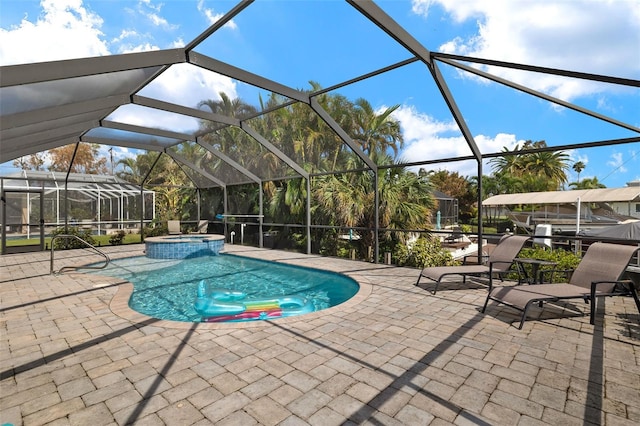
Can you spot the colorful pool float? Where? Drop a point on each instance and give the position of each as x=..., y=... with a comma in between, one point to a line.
x=223, y=305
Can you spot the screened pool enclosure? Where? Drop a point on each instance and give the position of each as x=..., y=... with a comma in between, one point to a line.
x=235, y=159
x=41, y=201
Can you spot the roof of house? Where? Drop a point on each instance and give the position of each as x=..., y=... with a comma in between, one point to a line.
x=600, y=195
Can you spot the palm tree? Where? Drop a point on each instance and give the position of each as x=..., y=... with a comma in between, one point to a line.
x=510, y=163
x=376, y=132
x=578, y=167
x=549, y=166
x=134, y=169
x=236, y=108
x=348, y=200
x=538, y=171
x=588, y=183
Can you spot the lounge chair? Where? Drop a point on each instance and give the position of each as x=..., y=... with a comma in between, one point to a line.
x=598, y=274
x=454, y=236
x=498, y=263
x=174, y=227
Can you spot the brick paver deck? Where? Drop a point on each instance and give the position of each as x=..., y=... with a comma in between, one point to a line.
x=73, y=353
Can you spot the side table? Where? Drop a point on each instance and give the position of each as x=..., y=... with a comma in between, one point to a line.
x=536, y=276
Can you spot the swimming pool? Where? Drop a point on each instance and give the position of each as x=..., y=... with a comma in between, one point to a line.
x=167, y=288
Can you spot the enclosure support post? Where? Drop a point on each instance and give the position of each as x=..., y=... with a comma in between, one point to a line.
x=199, y=216
x=4, y=220
x=66, y=189
x=27, y=220
x=99, y=210
x=480, y=211
x=224, y=208
x=141, y=214
x=376, y=216
x=261, y=218
x=308, y=214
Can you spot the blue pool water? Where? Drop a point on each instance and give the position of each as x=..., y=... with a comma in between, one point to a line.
x=167, y=288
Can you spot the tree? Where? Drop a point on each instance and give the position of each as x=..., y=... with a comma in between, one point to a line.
x=587, y=183
x=578, y=167
x=86, y=159
x=537, y=170
x=348, y=200
x=376, y=132
x=456, y=186
x=30, y=162
x=226, y=106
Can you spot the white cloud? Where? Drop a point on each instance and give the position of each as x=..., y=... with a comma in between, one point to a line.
x=152, y=13
x=616, y=162
x=182, y=84
x=125, y=34
x=575, y=156
x=144, y=47
x=213, y=17
x=595, y=36
x=427, y=139
x=187, y=85
x=148, y=117
x=177, y=43
x=64, y=30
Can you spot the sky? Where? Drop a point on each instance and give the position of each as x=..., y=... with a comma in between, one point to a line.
x=295, y=42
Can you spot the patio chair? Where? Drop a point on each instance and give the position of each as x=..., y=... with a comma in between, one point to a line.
x=597, y=275
x=499, y=263
x=174, y=227
x=454, y=236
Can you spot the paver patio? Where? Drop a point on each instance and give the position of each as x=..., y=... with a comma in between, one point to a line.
x=73, y=353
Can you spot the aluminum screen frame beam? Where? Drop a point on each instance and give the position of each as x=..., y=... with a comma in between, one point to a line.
x=376, y=15
x=326, y=117
x=62, y=111
x=74, y=130
x=183, y=110
x=540, y=95
x=281, y=155
x=218, y=24
x=147, y=130
x=229, y=161
x=42, y=145
x=181, y=160
x=13, y=75
x=123, y=144
x=231, y=71
x=538, y=69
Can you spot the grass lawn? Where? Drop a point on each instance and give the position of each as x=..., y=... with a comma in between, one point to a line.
x=100, y=240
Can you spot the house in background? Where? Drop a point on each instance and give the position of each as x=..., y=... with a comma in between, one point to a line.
x=630, y=207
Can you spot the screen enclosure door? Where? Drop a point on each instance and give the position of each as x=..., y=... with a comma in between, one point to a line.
x=22, y=221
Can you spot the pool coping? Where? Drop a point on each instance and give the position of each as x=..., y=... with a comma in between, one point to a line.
x=119, y=305
x=184, y=238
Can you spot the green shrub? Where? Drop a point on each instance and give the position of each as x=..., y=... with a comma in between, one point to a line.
x=566, y=261
x=424, y=252
x=117, y=238
x=72, y=243
x=156, y=228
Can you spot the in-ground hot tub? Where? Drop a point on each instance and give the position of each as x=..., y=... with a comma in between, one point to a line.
x=183, y=246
